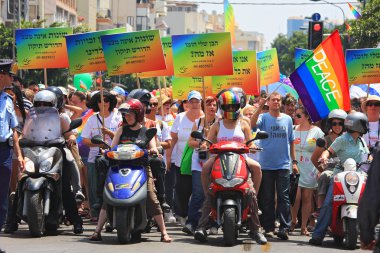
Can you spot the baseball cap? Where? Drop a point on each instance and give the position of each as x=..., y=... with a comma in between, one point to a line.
x=194, y=94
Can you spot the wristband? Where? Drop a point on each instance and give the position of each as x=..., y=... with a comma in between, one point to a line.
x=294, y=162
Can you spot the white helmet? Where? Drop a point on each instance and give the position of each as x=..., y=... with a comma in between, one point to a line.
x=46, y=98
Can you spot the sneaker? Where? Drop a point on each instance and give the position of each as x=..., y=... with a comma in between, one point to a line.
x=200, y=235
x=79, y=197
x=188, y=229
x=169, y=217
x=213, y=230
x=78, y=229
x=258, y=237
x=283, y=235
x=165, y=207
x=276, y=224
x=315, y=241
x=10, y=228
x=181, y=220
x=259, y=212
x=269, y=234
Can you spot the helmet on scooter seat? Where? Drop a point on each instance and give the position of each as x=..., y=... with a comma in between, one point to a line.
x=143, y=95
x=45, y=98
x=133, y=106
x=229, y=104
x=59, y=94
x=356, y=122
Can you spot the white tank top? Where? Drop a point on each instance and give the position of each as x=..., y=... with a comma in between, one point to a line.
x=235, y=134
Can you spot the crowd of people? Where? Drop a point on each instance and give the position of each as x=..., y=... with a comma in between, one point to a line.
x=179, y=192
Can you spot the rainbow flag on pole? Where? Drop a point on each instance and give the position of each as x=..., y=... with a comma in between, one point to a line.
x=229, y=21
x=354, y=11
x=322, y=81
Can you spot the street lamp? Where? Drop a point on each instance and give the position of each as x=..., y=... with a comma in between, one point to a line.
x=340, y=8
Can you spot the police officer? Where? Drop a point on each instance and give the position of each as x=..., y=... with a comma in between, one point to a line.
x=8, y=138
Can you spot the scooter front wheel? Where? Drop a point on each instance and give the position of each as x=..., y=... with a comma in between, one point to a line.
x=123, y=225
x=351, y=233
x=36, y=218
x=229, y=226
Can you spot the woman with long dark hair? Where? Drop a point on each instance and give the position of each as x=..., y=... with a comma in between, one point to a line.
x=21, y=113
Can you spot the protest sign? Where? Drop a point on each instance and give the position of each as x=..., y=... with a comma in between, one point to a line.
x=245, y=74
x=133, y=52
x=168, y=54
x=181, y=86
x=363, y=65
x=39, y=48
x=269, y=70
x=85, y=51
x=207, y=54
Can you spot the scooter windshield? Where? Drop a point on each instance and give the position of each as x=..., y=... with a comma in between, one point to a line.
x=42, y=124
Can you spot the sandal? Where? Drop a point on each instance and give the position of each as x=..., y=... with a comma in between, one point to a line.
x=305, y=232
x=166, y=238
x=96, y=236
x=292, y=226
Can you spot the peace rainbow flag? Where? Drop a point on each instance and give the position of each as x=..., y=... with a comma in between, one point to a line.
x=229, y=21
x=354, y=11
x=322, y=81
x=85, y=117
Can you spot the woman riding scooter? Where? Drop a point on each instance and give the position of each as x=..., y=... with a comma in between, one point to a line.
x=133, y=115
x=348, y=145
x=230, y=128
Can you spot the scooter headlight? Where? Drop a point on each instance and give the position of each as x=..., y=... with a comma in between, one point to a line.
x=229, y=183
x=45, y=165
x=352, y=179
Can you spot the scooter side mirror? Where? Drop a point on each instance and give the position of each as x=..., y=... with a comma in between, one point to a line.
x=74, y=124
x=199, y=135
x=150, y=133
x=259, y=136
x=98, y=139
x=321, y=143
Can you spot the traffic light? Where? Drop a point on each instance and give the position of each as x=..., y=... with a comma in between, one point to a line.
x=315, y=34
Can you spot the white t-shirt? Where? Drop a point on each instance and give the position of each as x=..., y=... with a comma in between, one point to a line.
x=373, y=134
x=93, y=126
x=181, y=126
x=163, y=135
x=169, y=119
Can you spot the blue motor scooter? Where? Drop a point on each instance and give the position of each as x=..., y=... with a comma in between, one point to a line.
x=125, y=189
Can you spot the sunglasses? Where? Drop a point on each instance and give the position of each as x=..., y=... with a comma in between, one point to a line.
x=298, y=116
x=373, y=104
x=153, y=104
x=337, y=124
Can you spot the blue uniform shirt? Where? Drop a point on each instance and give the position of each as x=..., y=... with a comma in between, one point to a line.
x=8, y=118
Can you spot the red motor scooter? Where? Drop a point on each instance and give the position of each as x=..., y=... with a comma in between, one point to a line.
x=229, y=184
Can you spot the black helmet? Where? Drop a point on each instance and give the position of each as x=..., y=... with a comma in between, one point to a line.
x=143, y=95
x=59, y=94
x=356, y=122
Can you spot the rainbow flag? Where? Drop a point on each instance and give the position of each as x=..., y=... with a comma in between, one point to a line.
x=322, y=81
x=348, y=27
x=229, y=21
x=83, y=148
x=354, y=11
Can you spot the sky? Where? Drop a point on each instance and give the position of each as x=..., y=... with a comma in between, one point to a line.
x=272, y=19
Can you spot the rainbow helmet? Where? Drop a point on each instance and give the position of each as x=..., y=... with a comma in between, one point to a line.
x=229, y=104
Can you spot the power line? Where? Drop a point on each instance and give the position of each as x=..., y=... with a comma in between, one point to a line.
x=245, y=3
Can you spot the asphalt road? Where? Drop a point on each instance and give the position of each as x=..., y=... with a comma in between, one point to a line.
x=66, y=241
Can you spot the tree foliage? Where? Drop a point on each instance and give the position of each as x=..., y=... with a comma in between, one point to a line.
x=285, y=50
x=365, y=31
